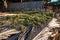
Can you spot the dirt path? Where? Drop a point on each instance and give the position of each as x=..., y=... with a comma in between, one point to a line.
x=44, y=34
x=8, y=14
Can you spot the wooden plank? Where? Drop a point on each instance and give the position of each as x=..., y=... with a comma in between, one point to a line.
x=5, y=35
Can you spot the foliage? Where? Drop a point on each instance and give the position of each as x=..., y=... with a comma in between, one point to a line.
x=26, y=19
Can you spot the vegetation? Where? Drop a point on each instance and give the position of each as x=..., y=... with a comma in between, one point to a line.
x=26, y=19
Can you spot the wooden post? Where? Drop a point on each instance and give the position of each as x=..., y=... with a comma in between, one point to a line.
x=21, y=1
x=5, y=3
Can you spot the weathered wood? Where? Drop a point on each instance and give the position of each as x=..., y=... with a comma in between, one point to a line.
x=45, y=33
x=21, y=1
x=5, y=3
x=5, y=34
x=25, y=35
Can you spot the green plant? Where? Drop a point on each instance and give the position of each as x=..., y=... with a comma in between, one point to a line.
x=27, y=19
